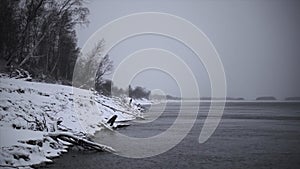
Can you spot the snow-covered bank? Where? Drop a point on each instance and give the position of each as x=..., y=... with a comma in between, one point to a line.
x=30, y=110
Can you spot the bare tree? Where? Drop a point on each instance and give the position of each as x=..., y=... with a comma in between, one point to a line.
x=39, y=35
x=105, y=68
x=92, y=67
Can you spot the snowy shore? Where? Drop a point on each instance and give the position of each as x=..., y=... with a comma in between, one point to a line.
x=29, y=111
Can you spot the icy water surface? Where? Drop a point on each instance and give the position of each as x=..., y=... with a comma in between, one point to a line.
x=250, y=135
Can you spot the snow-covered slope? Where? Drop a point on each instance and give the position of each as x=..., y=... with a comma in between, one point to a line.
x=30, y=110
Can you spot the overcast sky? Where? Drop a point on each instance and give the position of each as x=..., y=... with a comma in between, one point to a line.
x=258, y=42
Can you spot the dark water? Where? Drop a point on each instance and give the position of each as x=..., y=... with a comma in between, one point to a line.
x=250, y=135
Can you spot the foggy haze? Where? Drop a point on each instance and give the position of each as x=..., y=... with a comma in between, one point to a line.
x=257, y=41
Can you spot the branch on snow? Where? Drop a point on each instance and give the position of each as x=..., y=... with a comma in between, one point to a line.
x=71, y=138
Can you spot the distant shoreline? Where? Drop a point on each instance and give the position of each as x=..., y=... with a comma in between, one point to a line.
x=238, y=99
x=235, y=101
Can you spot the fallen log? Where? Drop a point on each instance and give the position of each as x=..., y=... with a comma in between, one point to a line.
x=75, y=140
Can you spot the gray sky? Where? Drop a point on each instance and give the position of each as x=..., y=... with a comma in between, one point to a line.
x=258, y=42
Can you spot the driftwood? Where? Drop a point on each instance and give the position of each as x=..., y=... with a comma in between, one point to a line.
x=112, y=120
x=75, y=140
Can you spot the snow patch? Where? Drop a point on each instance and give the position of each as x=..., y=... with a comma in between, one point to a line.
x=31, y=110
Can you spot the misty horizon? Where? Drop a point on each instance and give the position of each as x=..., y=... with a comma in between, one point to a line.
x=257, y=42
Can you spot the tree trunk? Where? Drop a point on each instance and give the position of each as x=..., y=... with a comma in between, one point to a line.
x=69, y=137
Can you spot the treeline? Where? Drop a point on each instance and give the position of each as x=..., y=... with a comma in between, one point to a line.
x=107, y=88
x=39, y=36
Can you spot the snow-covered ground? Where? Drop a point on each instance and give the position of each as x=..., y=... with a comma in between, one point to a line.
x=29, y=111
